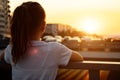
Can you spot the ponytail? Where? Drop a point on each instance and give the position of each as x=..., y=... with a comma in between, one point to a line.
x=23, y=24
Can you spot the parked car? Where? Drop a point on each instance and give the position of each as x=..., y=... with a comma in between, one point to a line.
x=46, y=37
x=52, y=39
x=112, y=44
x=93, y=45
x=58, y=38
x=71, y=43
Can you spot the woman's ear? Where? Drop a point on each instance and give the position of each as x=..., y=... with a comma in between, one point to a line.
x=43, y=26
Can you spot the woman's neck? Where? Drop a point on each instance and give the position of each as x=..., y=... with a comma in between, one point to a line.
x=36, y=37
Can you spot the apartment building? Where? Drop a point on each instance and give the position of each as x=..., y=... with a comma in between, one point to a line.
x=54, y=29
x=4, y=16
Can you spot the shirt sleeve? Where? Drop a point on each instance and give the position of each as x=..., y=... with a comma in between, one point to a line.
x=65, y=54
x=7, y=54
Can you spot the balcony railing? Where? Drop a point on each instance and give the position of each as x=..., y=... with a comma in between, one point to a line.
x=94, y=67
x=96, y=61
x=109, y=61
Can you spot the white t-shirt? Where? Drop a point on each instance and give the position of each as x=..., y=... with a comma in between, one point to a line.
x=41, y=61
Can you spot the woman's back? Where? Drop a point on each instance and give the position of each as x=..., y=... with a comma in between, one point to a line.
x=30, y=58
x=40, y=62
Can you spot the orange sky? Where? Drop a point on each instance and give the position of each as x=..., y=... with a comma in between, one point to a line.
x=93, y=16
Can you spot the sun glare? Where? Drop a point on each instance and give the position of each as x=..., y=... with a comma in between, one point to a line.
x=90, y=26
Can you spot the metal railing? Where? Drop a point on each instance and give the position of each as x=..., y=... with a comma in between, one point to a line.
x=94, y=67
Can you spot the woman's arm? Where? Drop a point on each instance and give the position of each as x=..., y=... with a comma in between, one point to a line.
x=76, y=56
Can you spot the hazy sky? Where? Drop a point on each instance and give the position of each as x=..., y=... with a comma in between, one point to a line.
x=93, y=16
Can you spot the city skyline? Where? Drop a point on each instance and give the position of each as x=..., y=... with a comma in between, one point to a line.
x=92, y=16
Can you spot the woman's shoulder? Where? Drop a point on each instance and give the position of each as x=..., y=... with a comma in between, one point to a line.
x=8, y=47
x=56, y=44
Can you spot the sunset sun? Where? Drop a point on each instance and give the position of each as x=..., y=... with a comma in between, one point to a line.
x=90, y=26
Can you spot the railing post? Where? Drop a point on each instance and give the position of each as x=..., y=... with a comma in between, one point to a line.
x=94, y=75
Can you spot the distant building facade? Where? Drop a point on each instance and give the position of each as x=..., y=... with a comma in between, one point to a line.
x=4, y=16
x=55, y=29
x=51, y=29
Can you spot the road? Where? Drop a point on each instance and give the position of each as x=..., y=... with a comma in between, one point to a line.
x=100, y=55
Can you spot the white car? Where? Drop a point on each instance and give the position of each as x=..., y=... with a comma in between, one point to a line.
x=72, y=43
